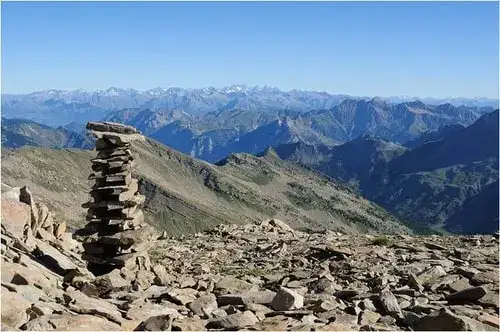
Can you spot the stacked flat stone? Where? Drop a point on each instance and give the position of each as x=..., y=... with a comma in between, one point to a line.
x=117, y=232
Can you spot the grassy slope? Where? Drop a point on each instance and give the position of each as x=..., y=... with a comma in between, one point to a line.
x=187, y=195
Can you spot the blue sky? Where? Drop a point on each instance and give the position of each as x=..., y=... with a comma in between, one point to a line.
x=437, y=49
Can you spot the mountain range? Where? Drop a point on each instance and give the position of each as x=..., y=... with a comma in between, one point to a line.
x=448, y=182
x=430, y=165
x=61, y=107
x=214, y=135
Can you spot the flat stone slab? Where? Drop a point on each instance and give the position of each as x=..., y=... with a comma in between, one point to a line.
x=113, y=127
x=71, y=322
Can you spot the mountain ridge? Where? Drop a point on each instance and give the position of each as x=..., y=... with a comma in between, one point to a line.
x=430, y=183
x=188, y=195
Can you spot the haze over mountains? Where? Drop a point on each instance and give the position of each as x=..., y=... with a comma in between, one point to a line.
x=60, y=107
x=430, y=164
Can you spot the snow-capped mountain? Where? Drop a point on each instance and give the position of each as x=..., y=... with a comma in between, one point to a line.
x=60, y=107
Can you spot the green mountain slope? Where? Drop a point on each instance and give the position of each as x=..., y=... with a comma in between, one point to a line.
x=188, y=195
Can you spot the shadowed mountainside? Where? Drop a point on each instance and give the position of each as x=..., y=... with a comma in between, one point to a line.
x=437, y=183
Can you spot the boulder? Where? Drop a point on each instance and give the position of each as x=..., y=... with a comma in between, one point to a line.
x=234, y=321
x=428, y=276
x=156, y=323
x=204, y=305
x=259, y=297
x=182, y=296
x=368, y=317
x=142, y=312
x=30, y=293
x=467, y=295
x=445, y=320
x=71, y=322
x=188, y=324
x=389, y=302
x=287, y=299
x=15, y=216
x=233, y=285
x=53, y=258
x=162, y=278
x=83, y=304
x=14, y=309
x=33, y=275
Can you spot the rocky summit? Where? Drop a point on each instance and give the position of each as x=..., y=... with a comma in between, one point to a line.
x=260, y=276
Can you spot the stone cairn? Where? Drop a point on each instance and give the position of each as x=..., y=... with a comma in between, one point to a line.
x=116, y=235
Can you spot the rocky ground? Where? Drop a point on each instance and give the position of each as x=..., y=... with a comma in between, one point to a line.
x=263, y=276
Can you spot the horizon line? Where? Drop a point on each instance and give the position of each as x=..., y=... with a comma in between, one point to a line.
x=248, y=87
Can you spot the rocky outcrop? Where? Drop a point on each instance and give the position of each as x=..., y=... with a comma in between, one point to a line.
x=116, y=235
x=41, y=222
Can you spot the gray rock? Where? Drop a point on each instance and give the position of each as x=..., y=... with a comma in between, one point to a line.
x=368, y=305
x=156, y=323
x=410, y=318
x=259, y=297
x=368, y=317
x=287, y=299
x=182, y=296
x=143, y=280
x=435, y=246
x=459, y=285
x=82, y=304
x=231, y=299
x=111, y=282
x=186, y=282
x=48, y=308
x=467, y=295
x=490, y=300
x=346, y=320
x=30, y=293
x=257, y=308
x=493, y=321
x=325, y=305
x=14, y=309
x=346, y=294
x=188, y=324
x=489, y=277
x=71, y=322
x=389, y=302
x=430, y=275
x=204, y=305
x=111, y=127
x=144, y=311
x=445, y=320
x=163, y=278
x=53, y=258
x=234, y=321
x=233, y=285
x=467, y=271
x=324, y=285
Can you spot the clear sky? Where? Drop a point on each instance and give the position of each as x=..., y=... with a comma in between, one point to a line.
x=438, y=49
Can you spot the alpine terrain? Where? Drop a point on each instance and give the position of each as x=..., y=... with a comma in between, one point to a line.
x=239, y=269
